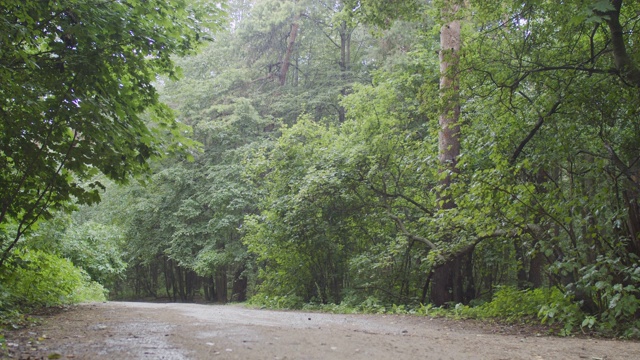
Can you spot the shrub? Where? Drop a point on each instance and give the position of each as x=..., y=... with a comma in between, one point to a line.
x=34, y=278
x=276, y=301
x=513, y=304
x=614, y=288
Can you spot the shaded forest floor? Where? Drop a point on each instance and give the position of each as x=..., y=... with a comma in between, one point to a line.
x=128, y=330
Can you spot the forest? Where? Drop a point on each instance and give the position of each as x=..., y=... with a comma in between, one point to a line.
x=469, y=157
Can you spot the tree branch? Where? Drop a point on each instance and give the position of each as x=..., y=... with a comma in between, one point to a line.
x=535, y=129
x=402, y=196
x=411, y=236
x=624, y=169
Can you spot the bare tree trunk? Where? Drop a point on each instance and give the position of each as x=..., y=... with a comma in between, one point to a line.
x=449, y=134
x=284, y=68
x=448, y=279
x=152, y=284
x=538, y=260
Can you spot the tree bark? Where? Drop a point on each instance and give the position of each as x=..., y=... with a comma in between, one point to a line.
x=449, y=134
x=627, y=69
x=286, y=61
x=221, y=285
x=448, y=279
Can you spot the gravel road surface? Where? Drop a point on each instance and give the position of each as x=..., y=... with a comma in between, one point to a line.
x=129, y=330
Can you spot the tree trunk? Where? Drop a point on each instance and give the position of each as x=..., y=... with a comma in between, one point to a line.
x=221, y=285
x=536, y=266
x=191, y=281
x=136, y=280
x=239, y=289
x=448, y=280
x=449, y=134
x=345, y=64
x=284, y=68
x=207, y=287
x=624, y=62
x=180, y=287
x=152, y=282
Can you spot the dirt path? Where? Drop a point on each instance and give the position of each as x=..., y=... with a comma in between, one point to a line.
x=119, y=330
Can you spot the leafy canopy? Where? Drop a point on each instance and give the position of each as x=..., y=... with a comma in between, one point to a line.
x=75, y=78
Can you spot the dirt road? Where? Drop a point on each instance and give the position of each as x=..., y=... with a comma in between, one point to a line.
x=118, y=330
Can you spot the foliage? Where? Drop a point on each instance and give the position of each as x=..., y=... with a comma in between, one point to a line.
x=91, y=246
x=326, y=204
x=384, y=13
x=613, y=288
x=76, y=77
x=193, y=214
x=37, y=279
x=89, y=291
x=511, y=304
x=277, y=302
x=95, y=248
x=546, y=191
x=542, y=156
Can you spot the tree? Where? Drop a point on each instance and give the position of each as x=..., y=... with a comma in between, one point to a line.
x=558, y=83
x=448, y=279
x=76, y=77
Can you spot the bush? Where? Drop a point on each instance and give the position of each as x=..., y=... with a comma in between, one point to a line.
x=550, y=306
x=613, y=287
x=513, y=304
x=90, y=291
x=33, y=278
